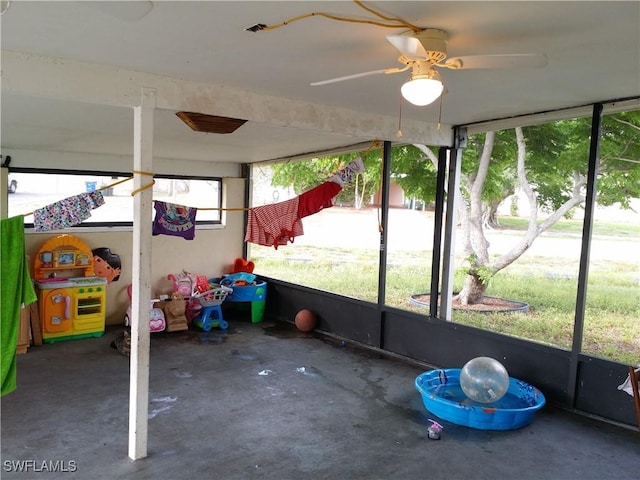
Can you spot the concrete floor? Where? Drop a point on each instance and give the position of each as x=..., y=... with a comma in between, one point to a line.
x=266, y=401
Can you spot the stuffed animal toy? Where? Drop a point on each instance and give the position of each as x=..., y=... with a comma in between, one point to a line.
x=174, y=312
x=242, y=265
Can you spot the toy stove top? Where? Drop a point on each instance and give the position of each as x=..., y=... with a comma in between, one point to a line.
x=70, y=282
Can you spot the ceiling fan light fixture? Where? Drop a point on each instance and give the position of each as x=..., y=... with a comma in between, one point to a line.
x=425, y=85
x=422, y=91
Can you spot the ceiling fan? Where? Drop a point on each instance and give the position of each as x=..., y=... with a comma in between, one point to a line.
x=425, y=51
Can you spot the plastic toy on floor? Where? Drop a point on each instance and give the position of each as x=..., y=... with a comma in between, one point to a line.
x=211, y=314
x=240, y=279
x=182, y=283
x=201, y=284
x=157, y=322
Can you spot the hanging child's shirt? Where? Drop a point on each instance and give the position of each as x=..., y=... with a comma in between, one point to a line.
x=275, y=224
x=68, y=212
x=279, y=223
x=318, y=198
x=176, y=220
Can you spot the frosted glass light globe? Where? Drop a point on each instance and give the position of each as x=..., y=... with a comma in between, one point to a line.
x=422, y=91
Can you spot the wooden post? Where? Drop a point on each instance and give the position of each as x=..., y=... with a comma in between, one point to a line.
x=141, y=287
x=36, y=330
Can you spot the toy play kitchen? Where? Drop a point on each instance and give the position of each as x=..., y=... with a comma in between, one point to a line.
x=71, y=299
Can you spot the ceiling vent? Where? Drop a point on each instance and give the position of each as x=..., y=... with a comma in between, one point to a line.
x=200, y=122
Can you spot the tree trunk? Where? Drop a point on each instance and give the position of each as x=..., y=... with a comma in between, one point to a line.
x=474, y=288
x=473, y=291
x=474, y=216
x=463, y=222
x=360, y=192
x=491, y=216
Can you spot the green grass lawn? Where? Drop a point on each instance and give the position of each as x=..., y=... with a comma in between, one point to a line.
x=615, y=229
x=547, y=284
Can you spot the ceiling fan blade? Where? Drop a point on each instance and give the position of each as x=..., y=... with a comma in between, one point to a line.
x=408, y=46
x=358, y=75
x=526, y=60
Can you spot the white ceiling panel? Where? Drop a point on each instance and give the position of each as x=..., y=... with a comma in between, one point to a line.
x=592, y=48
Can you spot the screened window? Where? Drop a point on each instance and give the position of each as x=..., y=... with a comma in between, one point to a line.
x=34, y=189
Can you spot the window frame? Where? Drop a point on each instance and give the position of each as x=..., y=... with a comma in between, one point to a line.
x=126, y=224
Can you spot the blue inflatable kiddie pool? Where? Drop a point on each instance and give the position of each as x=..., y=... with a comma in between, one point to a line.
x=443, y=397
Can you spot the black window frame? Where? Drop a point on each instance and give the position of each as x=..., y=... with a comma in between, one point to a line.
x=54, y=171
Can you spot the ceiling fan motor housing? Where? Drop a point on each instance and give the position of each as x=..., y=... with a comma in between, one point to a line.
x=434, y=42
x=422, y=69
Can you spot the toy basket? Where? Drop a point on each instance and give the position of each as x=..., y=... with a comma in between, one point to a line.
x=213, y=297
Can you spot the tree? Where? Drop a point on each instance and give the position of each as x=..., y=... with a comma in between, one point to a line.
x=548, y=163
x=551, y=170
x=304, y=175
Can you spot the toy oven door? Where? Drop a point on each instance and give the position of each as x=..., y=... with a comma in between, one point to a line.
x=56, y=311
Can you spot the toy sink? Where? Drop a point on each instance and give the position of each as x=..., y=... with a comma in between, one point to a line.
x=443, y=397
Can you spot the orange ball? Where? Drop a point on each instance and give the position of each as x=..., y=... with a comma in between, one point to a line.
x=306, y=320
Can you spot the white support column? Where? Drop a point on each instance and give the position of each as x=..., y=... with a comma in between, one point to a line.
x=449, y=249
x=141, y=268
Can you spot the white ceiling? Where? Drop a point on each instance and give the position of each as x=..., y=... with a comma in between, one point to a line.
x=592, y=47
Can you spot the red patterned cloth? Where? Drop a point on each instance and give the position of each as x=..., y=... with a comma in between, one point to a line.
x=278, y=223
x=317, y=198
x=275, y=224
